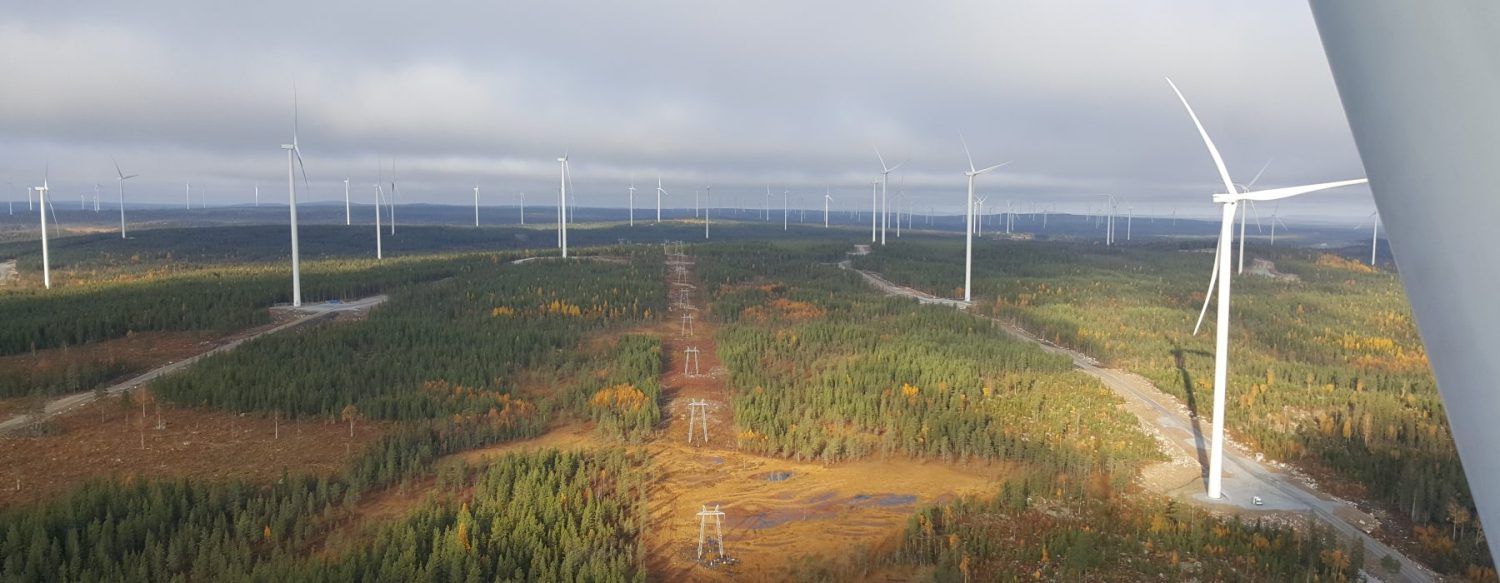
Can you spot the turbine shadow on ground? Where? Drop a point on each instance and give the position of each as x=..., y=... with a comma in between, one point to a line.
x=1179, y=358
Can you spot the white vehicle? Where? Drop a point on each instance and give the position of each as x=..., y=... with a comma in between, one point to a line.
x=1257, y=501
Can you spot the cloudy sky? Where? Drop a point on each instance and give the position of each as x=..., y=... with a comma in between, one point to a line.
x=736, y=94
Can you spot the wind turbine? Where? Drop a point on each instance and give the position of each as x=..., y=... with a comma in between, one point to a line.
x=1230, y=200
x=476, y=205
x=768, y=203
x=379, y=254
x=523, y=208
x=659, y=191
x=257, y=195
x=708, y=191
x=784, y=195
x=41, y=192
x=874, y=207
x=827, y=198
x=1374, y=218
x=1246, y=188
x=1275, y=218
x=293, y=162
x=347, y=216
x=885, y=178
x=969, y=230
x=562, y=203
x=188, y=190
x=632, y=200
x=121, y=177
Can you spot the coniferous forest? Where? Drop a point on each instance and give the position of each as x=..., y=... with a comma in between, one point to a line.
x=471, y=351
x=1328, y=371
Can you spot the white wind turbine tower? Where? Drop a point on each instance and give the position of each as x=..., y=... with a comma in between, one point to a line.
x=257, y=195
x=1230, y=200
x=121, y=177
x=1374, y=219
x=969, y=213
x=874, y=207
x=562, y=203
x=708, y=191
x=768, y=203
x=1275, y=218
x=347, y=215
x=188, y=190
x=293, y=162
x=885, y=178
x=379, y=253
x=523, y=208
x=632, y=200
x=659, y=191
x=476, y=205
x=827, y=198
x=41, y=192
x=96, y=196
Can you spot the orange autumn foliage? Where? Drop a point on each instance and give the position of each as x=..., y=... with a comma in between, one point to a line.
x=623, y=396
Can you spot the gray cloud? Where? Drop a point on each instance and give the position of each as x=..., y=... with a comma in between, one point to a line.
x=738, y=94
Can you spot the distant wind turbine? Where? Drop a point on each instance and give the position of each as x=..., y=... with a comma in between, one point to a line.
x=659, y=192
x=476, y=205
x=708, y=191
x=121, y=178
x=969, y=230
x=523, y=208
x=347, y=217
x=1230, y=200
x=874, y=207
x=41, y=192
x=632, y=200
x=562, y=203
x=294, y=162
x=885, y=178
x=827, y=198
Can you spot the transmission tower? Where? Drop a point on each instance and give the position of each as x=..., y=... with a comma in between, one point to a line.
x=698, y=417
x=703, y=517
x=690, y=365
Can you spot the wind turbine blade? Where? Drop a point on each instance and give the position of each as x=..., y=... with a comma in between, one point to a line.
x=129, y=177
x=1256, y=215
x=1207, y=141
x=991, y=167
x=117, y=168
x=898, y=165
x=966, y=153
x=1212, y=280
x=881, y=158
x=1280, y=193
x=300, y=166
x=1257, y=175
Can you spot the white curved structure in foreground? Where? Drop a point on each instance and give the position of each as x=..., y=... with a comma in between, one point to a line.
x=1421, y=89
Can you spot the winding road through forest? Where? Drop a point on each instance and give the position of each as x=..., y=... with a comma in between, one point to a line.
x=1182, y=435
